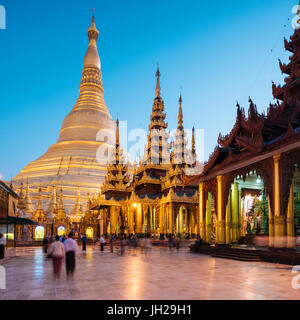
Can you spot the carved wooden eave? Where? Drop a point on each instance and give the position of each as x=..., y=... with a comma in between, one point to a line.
x=172, y=197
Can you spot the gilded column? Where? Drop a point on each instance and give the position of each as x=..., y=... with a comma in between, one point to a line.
x=290, y=221
x=240, y=215
x=201, y=213
x=101, y=222
x=208, y=219
x=271, y=225
x=279, y=219
x=139, y=218
x=112, y=220
x=221, y=239
x=228, y=220
x=171, y=218
x=161, y=219
x=235, y=212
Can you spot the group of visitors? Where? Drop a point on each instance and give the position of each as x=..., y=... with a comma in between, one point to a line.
x=60, y=248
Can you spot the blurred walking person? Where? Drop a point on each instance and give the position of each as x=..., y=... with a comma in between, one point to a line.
x=2, y=245
x=71, y=248
x=112, y=240
x=45, y=244
x=57, y=252
x=102, y=243
x=147, y=247
x=123, y=244
x=84, y=241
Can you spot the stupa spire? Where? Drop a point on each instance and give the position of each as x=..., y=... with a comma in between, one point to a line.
x=92, y=57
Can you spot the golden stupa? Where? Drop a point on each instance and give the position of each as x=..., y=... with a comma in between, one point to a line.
x=71, y=162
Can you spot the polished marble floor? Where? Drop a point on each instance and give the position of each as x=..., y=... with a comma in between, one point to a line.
x=163, y=274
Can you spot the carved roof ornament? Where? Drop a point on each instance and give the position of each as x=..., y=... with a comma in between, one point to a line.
x=180, y=115
x=158, y=82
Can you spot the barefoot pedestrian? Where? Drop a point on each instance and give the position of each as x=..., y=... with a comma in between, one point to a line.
x=57, y=252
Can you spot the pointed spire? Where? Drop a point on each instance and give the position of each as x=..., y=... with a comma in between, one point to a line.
x=92, y=58
x=158, y=82
x=40, y=214
x=193, y=141
x=180, y=115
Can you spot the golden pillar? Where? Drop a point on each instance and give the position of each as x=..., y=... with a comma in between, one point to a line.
x=171, y=218
x=161, y=219
x=201, y=213
x=235, y=212
x=271, y=225
x=228, y=220
x=279, y=219
x=221, y=239
x=240, y=227
x=101, y=222
x=290, y=221
x=138, y=219
x=112, y=220
x=208, y=219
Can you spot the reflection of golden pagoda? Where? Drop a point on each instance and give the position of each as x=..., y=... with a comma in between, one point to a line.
x=72, y=159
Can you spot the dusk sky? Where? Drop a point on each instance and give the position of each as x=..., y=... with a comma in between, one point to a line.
x=219, y=52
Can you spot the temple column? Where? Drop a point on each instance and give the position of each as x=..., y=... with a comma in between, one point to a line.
x=279, y=219
x=235, y=212
x=101, y=224
x=161, y=219
x=240, y=226
x=112, y=220
x=138, y=218
x=201, y=213
x=131, y=219
x=228, y=220
x=208, y=219
x=271, y=225
x=290, y=221
x=171, y=218
x=221, y=239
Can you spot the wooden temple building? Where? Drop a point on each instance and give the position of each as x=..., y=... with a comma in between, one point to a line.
x=251, y=182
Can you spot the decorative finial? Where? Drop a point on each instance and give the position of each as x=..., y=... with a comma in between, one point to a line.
x=158, y=81
x=180, y=115
x=193, y=140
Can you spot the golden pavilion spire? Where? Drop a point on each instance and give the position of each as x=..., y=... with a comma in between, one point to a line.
x=40, y=214
x=180, y=115
x=158, y=82
x=193, y=141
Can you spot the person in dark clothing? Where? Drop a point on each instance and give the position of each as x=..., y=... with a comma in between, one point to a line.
x=45, y=244
x=2, y=245
x=71, y=248
x=112, y=240
x=84, y=241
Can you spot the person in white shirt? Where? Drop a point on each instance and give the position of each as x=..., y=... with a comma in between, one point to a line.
x=71, y=248
x=57, y=251
x=102, y=243
x=2, y=245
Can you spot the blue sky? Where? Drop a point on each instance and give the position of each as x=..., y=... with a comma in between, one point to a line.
x=219, y=53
